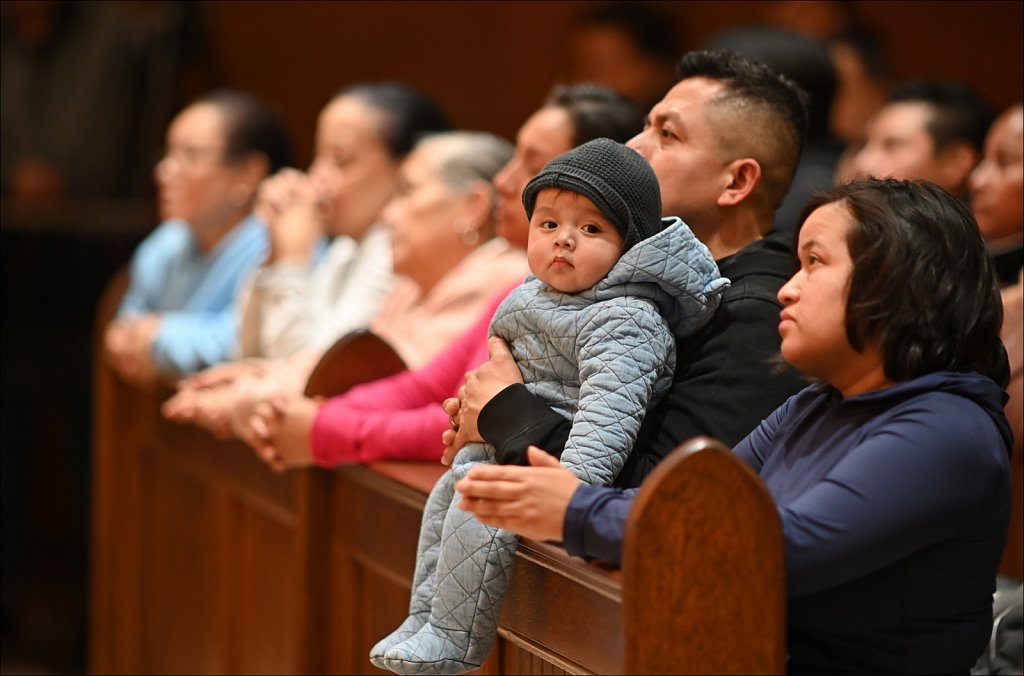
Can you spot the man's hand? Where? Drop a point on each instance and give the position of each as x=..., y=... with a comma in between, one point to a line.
x=128, y=341
x=530, y=501
x=494, y=375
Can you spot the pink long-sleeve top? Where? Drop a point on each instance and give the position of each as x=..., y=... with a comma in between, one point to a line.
x=399, y=417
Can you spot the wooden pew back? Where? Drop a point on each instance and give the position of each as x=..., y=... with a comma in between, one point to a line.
x=704, y=584
x=206, y=562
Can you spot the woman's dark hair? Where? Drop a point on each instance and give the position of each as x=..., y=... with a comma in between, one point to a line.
x=251, y=125
x=923, y=287
x=408, y=113
x=597, y=112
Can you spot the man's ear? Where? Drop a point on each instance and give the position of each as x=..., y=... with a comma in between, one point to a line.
x=956, y=161
x=743, y=175
x=255, y=167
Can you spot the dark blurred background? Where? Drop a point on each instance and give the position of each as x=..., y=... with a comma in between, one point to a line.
x=88, y=89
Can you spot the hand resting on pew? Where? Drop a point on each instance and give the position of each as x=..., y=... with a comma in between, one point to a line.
x=279, y=431
x=198, y=399
x=223, y=398
x=127, y=341
x=530, y=501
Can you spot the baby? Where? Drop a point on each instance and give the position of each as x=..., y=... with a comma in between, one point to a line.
x=593, y=330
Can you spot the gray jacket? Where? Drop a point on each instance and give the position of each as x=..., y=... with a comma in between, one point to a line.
x=602, y=356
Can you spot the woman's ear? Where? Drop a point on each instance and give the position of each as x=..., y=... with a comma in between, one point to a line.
x=477, y=205
x=744, y=175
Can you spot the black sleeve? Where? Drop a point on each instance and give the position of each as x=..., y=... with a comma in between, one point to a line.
x=515, y=419
x=728, y=378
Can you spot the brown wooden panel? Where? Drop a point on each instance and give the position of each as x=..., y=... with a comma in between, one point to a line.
x=563, y=611
x=514, y=658
x=203, y=560
x=560, y=613
x=181, y=519
x=116, y=479
x=373, y=550
x=268, y=585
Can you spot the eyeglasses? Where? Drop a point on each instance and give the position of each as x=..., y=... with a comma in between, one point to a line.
x=191, y=156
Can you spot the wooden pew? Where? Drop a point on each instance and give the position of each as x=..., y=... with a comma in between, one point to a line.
x=202, y=560
x=206, y=562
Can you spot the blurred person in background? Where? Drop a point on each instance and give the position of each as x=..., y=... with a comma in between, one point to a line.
x=926, y=131
x=856, y=54
x=630, y=47
x=330, y=269
x=997, y=200
x=400, y=417
x=997, y=193
x=177, y=315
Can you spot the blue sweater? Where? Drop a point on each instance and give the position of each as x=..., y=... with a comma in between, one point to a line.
x=193, y=291
x=895, y=506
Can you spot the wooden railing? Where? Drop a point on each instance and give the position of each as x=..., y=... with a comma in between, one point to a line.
x=203, y=561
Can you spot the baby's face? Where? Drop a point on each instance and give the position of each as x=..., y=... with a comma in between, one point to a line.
x=572, y=244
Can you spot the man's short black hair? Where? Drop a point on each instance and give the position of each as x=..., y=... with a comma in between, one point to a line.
x=958, y=113
x=800, y=58
x=773, y=109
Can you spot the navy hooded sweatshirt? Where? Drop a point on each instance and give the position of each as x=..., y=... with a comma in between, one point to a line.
x=895, y=506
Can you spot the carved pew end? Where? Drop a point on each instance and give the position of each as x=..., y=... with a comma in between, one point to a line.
x=703, y=569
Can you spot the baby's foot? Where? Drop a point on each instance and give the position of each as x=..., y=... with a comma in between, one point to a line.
x=406, y=630
x=431, y=651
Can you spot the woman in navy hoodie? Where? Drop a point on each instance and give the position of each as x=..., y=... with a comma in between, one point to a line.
x=891, y=474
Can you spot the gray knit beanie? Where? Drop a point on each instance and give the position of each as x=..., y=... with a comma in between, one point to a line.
x=615, y=178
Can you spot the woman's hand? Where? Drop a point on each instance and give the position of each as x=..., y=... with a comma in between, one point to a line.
x=531, y=501
x=287, y=203
x=494, y=375
x=222, y=374
x=280, y=429
x=203, y=398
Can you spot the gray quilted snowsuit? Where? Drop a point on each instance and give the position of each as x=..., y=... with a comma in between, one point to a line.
x=601, y=357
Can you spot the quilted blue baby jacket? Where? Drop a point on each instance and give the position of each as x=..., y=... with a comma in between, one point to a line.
x=602, y=356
